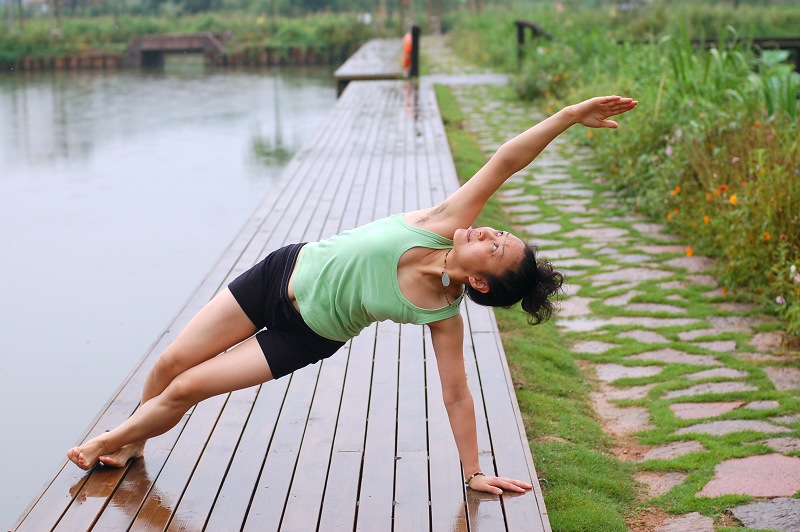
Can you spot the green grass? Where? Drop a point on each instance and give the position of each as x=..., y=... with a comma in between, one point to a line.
x=585, y=487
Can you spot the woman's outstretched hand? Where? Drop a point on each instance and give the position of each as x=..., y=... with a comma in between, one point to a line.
x=596, y=111
x=497, y=485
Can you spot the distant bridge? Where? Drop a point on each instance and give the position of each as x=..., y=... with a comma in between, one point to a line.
x=149, y=50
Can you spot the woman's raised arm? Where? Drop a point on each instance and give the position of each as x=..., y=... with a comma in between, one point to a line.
x=463, y=206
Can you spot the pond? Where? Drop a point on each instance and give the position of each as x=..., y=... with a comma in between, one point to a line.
x=118, y=192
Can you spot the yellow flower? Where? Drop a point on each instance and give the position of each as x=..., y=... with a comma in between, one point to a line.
x=706, y=219
x=689, y=251
x=733, y=199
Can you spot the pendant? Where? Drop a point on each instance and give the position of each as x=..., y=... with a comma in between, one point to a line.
x=445, y=279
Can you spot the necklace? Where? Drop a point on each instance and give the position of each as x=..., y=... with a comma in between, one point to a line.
x=446, y=279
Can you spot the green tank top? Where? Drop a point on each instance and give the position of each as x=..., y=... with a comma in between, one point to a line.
x=348, y=281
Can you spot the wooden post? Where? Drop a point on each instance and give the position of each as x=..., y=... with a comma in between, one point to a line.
x=414, y=70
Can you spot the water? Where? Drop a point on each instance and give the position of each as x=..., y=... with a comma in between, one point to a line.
x=118, y=192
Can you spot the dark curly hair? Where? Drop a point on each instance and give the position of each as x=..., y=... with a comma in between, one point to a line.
x=534, y=282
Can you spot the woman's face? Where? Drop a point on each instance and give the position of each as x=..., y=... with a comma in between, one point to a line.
x=484, y=250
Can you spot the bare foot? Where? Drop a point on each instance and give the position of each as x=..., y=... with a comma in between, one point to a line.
x=121, y=457
x=86, y=456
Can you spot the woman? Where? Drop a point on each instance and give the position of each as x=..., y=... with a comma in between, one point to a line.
x=302, y=302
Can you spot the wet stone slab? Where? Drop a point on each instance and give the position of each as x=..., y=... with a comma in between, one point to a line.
x=662, y=248
x=648, y=228
x=608, y=233
x=631, y=392
x=711, y=387
x=730, y=426
x=646, y=337
x=768, y=341
x=652, y=323
x=673, y=450
x=570, y=263
x=592, y=347
x=674, y=356
x=786, y=420
x=631, y=274
x=688, y=336
x=694, y=264
x=762, y=405
x=720, y=346
x=693, y=522
x=655, y=308
x=724, y=373
x=612, y=372
x=575, y=306
x=783, y=378
x=660, y=483
x=782, y=445
x=544, y=228
x=563, y=253
x=769, y=475
x=702, y=280
x=620, y=421
x=703, y=410
x=781, y=514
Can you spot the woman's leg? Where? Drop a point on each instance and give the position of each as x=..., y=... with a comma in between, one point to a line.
x=241, y=367
x=219, y=325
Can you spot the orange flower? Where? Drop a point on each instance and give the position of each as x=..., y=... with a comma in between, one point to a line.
x=724, y=292
x=689, y=251
x=772, y=201
x=706, y=219
x=675, y=191
x=757, y=124
x=723, y=188
x=744, y=184
x=590, y=133
x=709, y=196
x=766, y=235
x=733, y=199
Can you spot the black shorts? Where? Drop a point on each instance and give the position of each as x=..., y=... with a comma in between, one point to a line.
x=262, y=292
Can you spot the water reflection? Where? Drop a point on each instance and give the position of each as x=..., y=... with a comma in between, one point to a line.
x=118, y=192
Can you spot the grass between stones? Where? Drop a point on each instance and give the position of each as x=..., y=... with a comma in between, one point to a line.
x=586, y=475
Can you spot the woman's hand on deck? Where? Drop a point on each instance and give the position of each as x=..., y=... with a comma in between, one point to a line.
x=595, y=112
x=497, y=485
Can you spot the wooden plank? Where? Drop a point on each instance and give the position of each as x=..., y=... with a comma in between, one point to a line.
x=170, y=484
x=375, y=60
x=269, y=497
x=376, y=493
x=484, y=510
x=305, y=494
x=448, y=509
x=195, y=505
x=236, y=492
x=412, y=511
x=509, y=441
x=341, y=484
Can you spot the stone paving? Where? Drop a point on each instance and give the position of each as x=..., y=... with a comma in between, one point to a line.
x=677, y=364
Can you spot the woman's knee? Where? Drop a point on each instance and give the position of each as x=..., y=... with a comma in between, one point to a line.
x=184, y=392
x=171, y=363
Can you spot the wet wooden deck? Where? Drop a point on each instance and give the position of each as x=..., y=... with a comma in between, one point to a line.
x=377, y=59
x=360, y=441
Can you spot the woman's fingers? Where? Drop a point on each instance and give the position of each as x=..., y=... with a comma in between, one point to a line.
x=496, y=485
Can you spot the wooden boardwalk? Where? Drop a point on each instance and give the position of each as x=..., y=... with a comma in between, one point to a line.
x=377, y=59
x=360, y=441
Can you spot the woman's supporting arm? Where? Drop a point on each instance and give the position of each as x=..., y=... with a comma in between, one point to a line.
x=448, y=344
